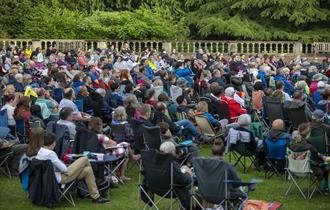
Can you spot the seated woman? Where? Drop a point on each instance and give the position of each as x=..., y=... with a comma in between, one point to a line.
x=22, y=111
x=131, y=105
x=119, y=118
x=299, y=144
x=202, y=109
x=36, y=119
x=96, y=125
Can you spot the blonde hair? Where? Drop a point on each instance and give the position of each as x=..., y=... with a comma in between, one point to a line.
x=302, y=134
x=119, y=114
x=202, y=106
x=10, y=89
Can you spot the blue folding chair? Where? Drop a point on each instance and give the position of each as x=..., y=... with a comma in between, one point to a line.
x=58, y=94
x=3, y=118
x=21, y=131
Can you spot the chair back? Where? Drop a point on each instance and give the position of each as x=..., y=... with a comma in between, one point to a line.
x=80, y=104
x=205, y=126
x=299, y=162
x=135, y=125
x=151, y=136
x=118, y=132
x=276, y=149
x=319, y=140
x=20, y=127
x=274, y=108
x=87, y=140
x=3, y=118
x=58, y=94
x=296, y=113
x=211, y=175
x=157, y=171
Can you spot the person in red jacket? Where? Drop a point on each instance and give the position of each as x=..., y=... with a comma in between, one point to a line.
x=235, y=108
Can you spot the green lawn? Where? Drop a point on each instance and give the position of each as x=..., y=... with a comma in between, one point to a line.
x=125, y=197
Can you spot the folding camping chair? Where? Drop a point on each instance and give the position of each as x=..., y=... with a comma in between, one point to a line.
x=214, y=186
x=20, y=131
x=206, y=127
x=273, y=108
x=4, y=167
x=66, y=191
x=80, y=104
x=151, y=136
x=118, y=132
x=298, y=170
x=157, y=170
x=275, y=157
x=113, y=163
x=296, y=113
x=237, y=149
x=319, y=140
x=3, y=118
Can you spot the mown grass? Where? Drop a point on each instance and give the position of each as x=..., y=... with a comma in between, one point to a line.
x=125, y=197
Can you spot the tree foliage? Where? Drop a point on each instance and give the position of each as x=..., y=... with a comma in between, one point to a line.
x=303, y=20
x=264, y=19
x=138, y=24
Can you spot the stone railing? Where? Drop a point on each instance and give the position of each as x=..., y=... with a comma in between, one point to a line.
x=186, y=47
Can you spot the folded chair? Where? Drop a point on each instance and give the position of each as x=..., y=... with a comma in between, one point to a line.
x=299, y=170
x=214, y=186
x=4, y=156
x=275, y=157
x=151, y=136
x=157, y=170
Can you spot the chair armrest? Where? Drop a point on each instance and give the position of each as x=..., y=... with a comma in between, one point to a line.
x=115, y=147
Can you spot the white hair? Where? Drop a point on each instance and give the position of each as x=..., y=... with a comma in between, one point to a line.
x=244, y=119
x=101, y=91
x=230, y=91
x=167, y=147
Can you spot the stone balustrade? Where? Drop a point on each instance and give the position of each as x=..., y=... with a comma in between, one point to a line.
x=186, y=47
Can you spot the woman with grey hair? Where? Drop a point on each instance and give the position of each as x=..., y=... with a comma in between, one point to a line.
x=132, y=105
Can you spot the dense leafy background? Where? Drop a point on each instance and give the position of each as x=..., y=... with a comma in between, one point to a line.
x=303, y=20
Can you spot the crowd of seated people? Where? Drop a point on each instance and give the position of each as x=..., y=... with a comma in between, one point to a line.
x=109, y=88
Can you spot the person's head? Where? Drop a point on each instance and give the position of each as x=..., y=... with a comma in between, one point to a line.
x=167, y=147
x=326, y=94
x=230, y=92
x=160, y=107
x=298, y=95
x=124, y=75
x=119, y=114
x=158, y=82
x=279, y=85
x=131, y=101
x=244, y=120
x=101, y=91
x=129, y=88
x=69, y=94
x=41, y=93
x=36, y=141
x=164, y=127
x=19, y=78
x=66, y=114
x=163, y=97
x=50, y=140
x=82, y=90
x=302, y=134
x=181, y=100
x=318, y=115
x=218, y=148
x=24, y=101
x=115, y=87
x=145, y=111
x=278, y=124
x=96, y=124
x=9, y=99
x=217, y=91
x=258, y=86
x=202, y=106
x=213, y=86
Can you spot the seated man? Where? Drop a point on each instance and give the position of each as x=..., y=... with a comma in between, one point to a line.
x=179, y=178
x=66, y=118
x=79, y=169
x=318, y=121
x=276, y=134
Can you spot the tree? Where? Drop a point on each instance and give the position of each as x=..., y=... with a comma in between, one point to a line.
x=306, y=20
x=14, y=14
x=138, y=24
x=52, y=22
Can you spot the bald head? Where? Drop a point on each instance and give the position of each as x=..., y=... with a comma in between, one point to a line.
x=278, y=124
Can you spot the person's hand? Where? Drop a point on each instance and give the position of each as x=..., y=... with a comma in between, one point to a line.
x=186, y=170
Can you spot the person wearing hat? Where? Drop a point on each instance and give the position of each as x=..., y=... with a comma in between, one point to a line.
x=315, y=80
x=317, y=96
x=318, y=122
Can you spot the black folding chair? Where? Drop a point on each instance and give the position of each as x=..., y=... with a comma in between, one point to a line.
x=157, y=170
x=151, y=136
x=214, y=185
x=296, y=113
x=273, y=108
x=118, y=132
